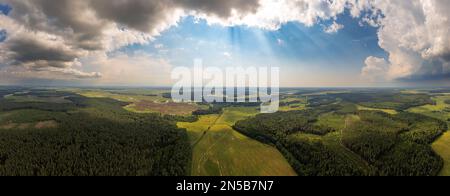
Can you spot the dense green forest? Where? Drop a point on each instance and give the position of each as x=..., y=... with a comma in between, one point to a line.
x=93, y=137
x=383, y=99
x=391, y=145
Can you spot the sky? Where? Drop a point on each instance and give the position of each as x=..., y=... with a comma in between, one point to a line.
x=316, y=43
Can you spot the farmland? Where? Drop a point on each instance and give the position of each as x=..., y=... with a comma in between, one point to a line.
x=163, y=108
x=218, y=150
x=126, y=131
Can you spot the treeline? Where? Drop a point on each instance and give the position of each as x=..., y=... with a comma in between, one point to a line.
x=377, y=99
x=307, y=157
x=101, y=139
x=10, y=105
x=393, y=145
x=397, y=145
x=7, y=105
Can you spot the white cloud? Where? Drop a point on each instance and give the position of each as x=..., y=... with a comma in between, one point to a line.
x=159, y=46
x=333, y=28
x=280, y=42
x=415, y=33
x=227, y=55
x=376, y=69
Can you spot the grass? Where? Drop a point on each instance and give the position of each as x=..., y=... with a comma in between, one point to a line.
x=440, y=110
x=218, y=150
x=197, y=129
x=301, y=105
x=234, y=114
x=169, y=108
x=442, y=147
x=292, y=107
x=389, y=111
x=332, y=120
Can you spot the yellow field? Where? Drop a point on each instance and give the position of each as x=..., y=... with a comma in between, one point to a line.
x=389, y=111
x=442, y=147
x=218, y=150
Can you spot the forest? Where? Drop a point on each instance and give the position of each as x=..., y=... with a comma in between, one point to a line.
x=93, y=137
x=387, y=145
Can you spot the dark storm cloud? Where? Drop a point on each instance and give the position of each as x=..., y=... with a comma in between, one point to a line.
x=59, y=17
x=141, y=15
x=146, y=15
x=433, y=71
x=85, y=26
x=31, y=50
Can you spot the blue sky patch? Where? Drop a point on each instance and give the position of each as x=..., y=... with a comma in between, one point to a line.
x=2, y=35
x=5, y=9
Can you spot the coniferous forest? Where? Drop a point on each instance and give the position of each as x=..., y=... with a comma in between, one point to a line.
x=93, y=132
x=91, y=137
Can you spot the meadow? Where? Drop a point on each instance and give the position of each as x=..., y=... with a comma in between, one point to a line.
x=218, y=150
x=389, y=111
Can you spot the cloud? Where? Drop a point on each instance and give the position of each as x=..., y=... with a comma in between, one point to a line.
x=376, y=69
x=227, y=55
x=415, y=34
x=281, y=42
x=333, y=28
x=54, y=36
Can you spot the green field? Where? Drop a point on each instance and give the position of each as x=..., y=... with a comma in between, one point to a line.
x=332, y=120
x=169, y=108
x=292, y=103
x=218, y=150
x=441, y=110
x=156, y=97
